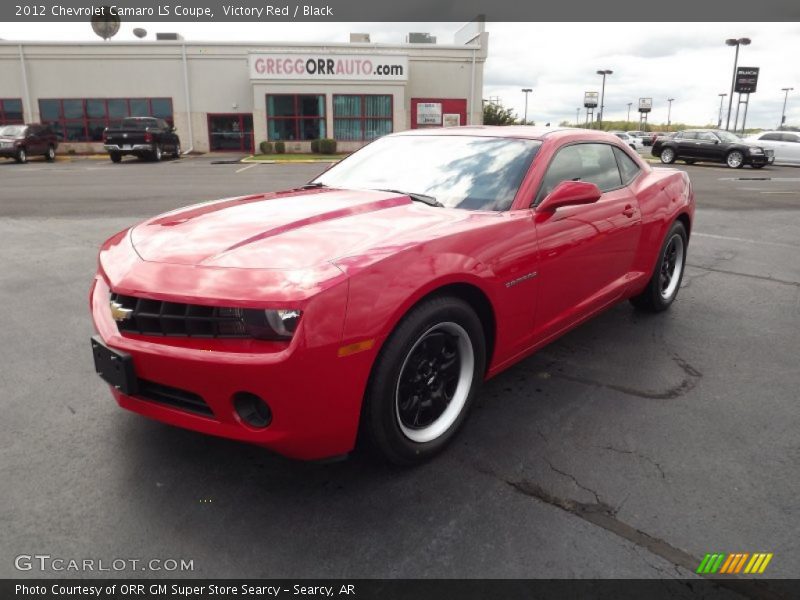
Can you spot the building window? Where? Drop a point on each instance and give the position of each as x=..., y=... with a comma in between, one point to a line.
x=10, y=111
x=295, y=116
x=83, y=120
x=361, y=117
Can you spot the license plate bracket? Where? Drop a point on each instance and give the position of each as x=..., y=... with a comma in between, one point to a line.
x=114, y=367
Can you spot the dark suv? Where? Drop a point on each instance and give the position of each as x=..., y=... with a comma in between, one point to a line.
x=711, y=145
x=21, y=141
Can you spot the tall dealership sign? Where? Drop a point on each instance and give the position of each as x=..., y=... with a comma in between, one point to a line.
x=745, y=84
x=359, y=67
x=645, y=106
x=746, y=80
x=590, y=99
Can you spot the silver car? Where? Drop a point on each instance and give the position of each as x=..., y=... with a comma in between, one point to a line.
x=785, y=144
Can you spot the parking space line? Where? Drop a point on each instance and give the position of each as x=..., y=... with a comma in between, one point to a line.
x=247, y=167
x=745, y=240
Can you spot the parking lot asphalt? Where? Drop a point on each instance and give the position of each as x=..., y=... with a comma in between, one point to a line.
x=628, y=448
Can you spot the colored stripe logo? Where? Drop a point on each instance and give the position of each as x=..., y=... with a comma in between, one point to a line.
x=732, y=564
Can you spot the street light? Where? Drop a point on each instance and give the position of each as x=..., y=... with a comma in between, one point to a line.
x=783, y=112
x=578, y=116
x=719, y=120
x=629, y=111
x=669, y=112
x=526, y=91
x=603, y=72
x=734, y=42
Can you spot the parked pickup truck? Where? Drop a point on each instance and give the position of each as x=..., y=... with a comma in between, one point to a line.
x=145, y=137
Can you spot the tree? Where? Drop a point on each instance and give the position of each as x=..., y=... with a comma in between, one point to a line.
x=494, y=114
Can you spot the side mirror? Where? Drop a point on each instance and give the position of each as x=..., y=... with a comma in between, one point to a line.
x=570, y=193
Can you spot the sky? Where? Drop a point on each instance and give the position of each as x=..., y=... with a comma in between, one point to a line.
x=685, y=61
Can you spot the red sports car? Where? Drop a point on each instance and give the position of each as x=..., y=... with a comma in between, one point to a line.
x=373, y=301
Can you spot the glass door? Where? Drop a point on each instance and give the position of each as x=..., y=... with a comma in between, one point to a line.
x=230, y=132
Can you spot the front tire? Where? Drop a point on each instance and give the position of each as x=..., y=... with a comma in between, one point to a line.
x=668, y=156
x=22, y=156
x=177, y=151
x=735, y=159
x=424, y=380
x=158, y=154
x=662, y=289
x=758, y=166
x=689, y=161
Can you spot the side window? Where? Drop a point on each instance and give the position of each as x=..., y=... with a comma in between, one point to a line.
x=689, y=135
x=594, y=163
x=771, y=137
x=627, y=168
x=706, y=136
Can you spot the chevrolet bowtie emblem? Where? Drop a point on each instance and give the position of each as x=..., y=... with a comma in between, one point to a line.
x=119, y=312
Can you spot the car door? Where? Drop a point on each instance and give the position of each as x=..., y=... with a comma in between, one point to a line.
x=707, y=146
x=586, y=251
x=686, y=144
x=33, y=140
x=790, y=148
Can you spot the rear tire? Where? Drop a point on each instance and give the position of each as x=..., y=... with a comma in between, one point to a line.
x=668, y=156
x=158, y=154
x=115, y=157
x=424, y=380
x=177, y=151
x=662, y=289
x=50, y=155
x=758, y=166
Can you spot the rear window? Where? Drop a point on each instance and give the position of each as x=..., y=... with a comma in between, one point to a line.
x=141, y=124
x=13, y=130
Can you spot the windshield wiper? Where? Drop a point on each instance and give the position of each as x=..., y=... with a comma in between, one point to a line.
x=313, y=185
x=429, y=200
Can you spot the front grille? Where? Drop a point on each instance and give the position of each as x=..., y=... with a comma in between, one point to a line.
x=164, y=394
x=769, y=153
x=154, y=317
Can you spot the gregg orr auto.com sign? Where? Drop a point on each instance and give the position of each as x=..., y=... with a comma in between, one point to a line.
x=379, y=67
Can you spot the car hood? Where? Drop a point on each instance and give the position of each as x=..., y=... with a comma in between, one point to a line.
x=5, y=138
x=290, y=230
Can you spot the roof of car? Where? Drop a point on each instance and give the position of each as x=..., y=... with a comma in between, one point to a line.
x=506, y=131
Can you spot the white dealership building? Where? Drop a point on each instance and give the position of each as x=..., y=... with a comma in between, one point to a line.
x=233, y=95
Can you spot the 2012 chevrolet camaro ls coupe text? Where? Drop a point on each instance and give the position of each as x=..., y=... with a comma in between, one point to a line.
x=372, y=302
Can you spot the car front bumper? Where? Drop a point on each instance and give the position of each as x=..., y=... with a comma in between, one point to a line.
x=759, y=159
x=314, y=394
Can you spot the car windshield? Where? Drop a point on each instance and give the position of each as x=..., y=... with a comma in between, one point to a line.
x=138, y=123
x=726, y=136
x=457, y=171
x=13, y=130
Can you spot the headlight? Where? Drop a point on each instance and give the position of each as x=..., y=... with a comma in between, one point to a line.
x=756, y=150
x=272, y=324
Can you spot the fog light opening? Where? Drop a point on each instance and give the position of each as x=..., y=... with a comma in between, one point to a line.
x=252, y=410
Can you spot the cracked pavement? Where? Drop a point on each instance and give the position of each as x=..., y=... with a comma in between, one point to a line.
x=628, y=448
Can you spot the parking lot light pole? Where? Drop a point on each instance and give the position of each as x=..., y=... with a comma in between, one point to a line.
x=603, y=72
x=629, y=111
x=669, y=112
x=578, y=116
x=734, y=42
x=783, y=112
x=526, y=91
x=719, y=119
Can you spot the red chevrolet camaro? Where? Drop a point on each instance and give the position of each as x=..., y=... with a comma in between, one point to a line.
x=373, y=301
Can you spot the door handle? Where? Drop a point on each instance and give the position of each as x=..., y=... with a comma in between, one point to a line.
x=628, y=211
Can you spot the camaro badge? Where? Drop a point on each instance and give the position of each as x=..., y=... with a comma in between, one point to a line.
x=119, y=312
